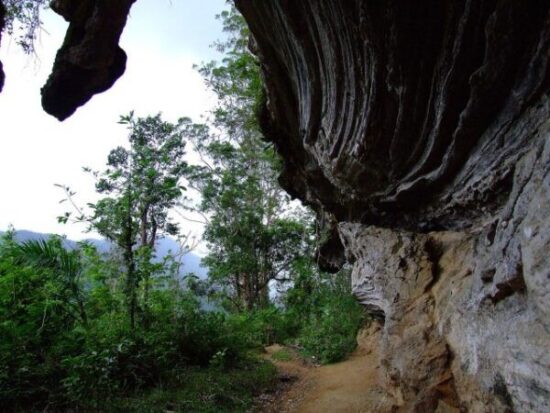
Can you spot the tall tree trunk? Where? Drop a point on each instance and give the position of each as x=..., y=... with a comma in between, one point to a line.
x=82, y=311
x=129, y=261
x=144, y=225
x=147, y=274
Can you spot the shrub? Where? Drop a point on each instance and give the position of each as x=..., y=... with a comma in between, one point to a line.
x=205, y=390
x=330, y=335
x=263, y=327
x=329, y=316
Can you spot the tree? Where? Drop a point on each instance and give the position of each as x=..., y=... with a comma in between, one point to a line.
x=252, y=236
x=139, y=187
x=23, y=21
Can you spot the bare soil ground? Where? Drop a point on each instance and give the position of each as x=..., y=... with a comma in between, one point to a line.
x=350, y=386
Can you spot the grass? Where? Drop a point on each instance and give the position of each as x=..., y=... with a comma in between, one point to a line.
x=209, y=390
x=282, y=355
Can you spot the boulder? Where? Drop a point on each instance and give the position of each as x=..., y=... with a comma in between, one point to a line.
x=90, y=59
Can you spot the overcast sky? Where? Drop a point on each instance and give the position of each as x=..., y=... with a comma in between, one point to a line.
x=163, y=39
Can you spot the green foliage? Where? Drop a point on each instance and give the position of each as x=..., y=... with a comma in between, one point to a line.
x=39, y=316
x=50, y=355
x=206, y=390
x=117, y=361
x=253, y=234
x=282, y=355
x=330, y=316
x=139, y=188
x=66, y=269
x=331, y=335
x=141, y=184
x=262, y=327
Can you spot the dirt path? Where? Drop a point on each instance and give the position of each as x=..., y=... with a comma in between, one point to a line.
x=347, y=387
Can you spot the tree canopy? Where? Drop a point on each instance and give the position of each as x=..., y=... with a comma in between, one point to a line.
x=139, y=187
x=253, y=232
x=23, y=21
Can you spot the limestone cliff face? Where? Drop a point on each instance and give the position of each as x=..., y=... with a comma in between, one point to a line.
x=420, y=131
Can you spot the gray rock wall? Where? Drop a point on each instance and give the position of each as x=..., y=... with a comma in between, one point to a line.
x=468, y=308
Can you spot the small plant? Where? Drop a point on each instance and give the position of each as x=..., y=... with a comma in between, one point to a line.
x=218, y=360
x=205, y=390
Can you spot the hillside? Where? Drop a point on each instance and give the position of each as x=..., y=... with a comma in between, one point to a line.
x=191, y=261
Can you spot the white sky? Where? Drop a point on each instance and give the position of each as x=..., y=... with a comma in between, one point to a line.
x=163, y=39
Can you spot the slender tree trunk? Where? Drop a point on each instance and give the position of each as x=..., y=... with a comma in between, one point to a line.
x=147, y=274
x=247, y=292
x=144, y=225
x=239, y=291
x=129, y=260
x=82, y=311
x=130, y=285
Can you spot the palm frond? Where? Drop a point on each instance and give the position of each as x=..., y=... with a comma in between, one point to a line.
x=49, y=254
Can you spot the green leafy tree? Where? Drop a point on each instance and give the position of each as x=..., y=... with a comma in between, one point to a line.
x=252, y=234
x=139, y=187
x=23, y=21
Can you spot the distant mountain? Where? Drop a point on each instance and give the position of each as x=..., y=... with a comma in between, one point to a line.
x=191, y=262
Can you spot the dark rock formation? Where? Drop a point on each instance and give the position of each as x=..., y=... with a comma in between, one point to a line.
x=90, y=60
x=420, y=132
x=2, y=22
x=400, y=115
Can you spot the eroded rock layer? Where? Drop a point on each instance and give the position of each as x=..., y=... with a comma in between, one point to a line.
x=402, y=114
x=420, y=131
x=90, y=59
